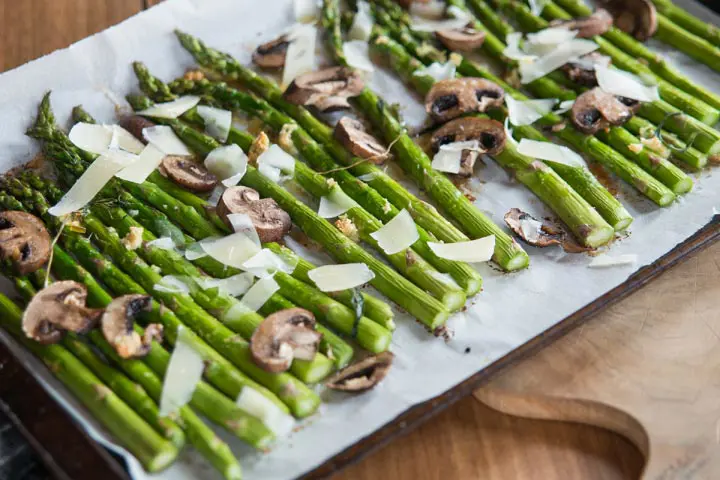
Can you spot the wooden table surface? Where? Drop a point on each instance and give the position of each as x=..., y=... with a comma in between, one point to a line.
x=468, y=440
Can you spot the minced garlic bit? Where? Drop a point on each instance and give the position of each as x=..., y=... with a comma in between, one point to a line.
x=382, y=40
x=653, y=143
x=347, y=227
x=387, y=207
x=558, y=127
x=636, y=147
x=194, y=75
x=427, y=49
x=258, y=147
x=456, y=59
x=133, y=240
x=331, y=183
x=285, y=138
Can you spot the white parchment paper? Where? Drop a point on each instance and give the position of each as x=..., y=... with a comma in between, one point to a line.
x=512, y=309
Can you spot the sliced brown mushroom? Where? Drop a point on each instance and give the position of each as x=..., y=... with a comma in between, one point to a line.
x=541, y=234
x=283, y=336
x=488, y=94
x=596, y=109
x=352, y=134
x=583, y=73
x=327, y=89
x=24, y=241
x=270, y=221
x=271, y=54
x=57, y=309
x=117, y=326
x=596, y=24
x=490, y=134
x=362, y=375
x=635, y=17
x=135, y=124
x=462, y=39
x=448, y=99
x=186, y=172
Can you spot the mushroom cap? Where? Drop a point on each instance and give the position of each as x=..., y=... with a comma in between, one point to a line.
x=634, y=17
x=596, y=109
x=489, y=133
x=352, y=134
x=326, y=89
x=58, y=308
x=583, y=73
x=271, y=54
x=596, y=24
x=488, y=94
x=117, y=325
x=462, y=39
x=448, y=99
x=24, y=241
x=135, y=124
x=283, y=336
x=363, y=375
x=270, y=221
x=187, y=173
x=546, y=235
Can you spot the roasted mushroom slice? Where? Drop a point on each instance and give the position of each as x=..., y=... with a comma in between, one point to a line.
x=57, y=309
x=362, y=375
x=449, y=99
x=463, y=39
x=541, y=234
x=635, y=17
x=270, y=221
x=488, y=94
x=271, y=54
x=327, y=89
x=187, y=173
x=490, y=134
x=24, y=241
x=582, y=72
x=596, y=24
x=135, y=124
x=117, y=326
x=596, y=109
x=283, y=336
x=352, y=134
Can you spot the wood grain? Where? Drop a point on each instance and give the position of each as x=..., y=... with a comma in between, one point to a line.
x=662, y=337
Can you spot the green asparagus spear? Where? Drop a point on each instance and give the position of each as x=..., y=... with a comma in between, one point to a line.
x=688, y=21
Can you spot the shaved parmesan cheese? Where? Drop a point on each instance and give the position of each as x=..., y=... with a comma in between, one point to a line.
x=183, y=373
x=172, y=284
x=300, y=55
x=242, y=223
x=164, y=138
x=164, y=243
x=91, y=137
x=537, y=6
x=473, y=251
x=147, y=162
x=260, y=293
x=550, y=151
x=215, y=195
x=306, y=10
x=171, y=109
x=437, y=71
x=543, y=42
x=260, y=407
x=565, y=106
x=333, y=278
x=195, y=251
x=434, y=9
x=335, y=204
x=276, y=164
x=458, y=19
x=368, y=177
x=233, y=250
x=509, y=133
x=398, y=234
x=217, y=122
x=606, y=260
x=528, y=112
x=97, y=175
x=513, y=50
x=125, y=140
x=234, y=286
x=531, y=229
x=449, y=156
x=362, y=23
x=266, y=263
x=228, y=163
x=625, y=84
x=357, y=55
x=558, y=57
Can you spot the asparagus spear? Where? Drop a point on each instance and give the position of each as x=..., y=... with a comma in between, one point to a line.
x=422, y=306
x=373, y=203
x=132, y=432
x=602, y=153
x=689, y=22
x=656, y=63
x=508, y=253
